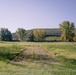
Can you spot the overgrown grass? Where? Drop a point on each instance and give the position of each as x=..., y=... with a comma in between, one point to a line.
x=63, y=53
x=9, y=50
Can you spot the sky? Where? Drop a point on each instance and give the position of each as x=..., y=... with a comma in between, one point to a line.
x=30, y=14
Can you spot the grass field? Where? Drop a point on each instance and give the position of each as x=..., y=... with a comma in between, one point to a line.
x=61, y=61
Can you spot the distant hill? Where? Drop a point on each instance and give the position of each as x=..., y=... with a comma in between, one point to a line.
x=50, y=31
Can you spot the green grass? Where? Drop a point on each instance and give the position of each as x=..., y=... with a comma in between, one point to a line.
x=63, y=60
x=52, y=38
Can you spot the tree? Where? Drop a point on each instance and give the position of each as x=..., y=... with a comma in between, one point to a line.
x=21, y=33
x=74, y=37
x=67, y=31
x=5, y=34
x=30, y=36
x=39, y=34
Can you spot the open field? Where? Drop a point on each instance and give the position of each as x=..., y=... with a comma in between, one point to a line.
x=42, y=58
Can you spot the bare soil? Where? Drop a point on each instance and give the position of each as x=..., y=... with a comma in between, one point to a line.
x=33, y=54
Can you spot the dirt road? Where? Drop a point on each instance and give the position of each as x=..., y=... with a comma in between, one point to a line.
x=32, y=53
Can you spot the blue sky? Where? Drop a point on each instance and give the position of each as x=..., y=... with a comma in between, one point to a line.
x=29, y=14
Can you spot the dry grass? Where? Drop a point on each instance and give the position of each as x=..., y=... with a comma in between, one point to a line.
x=37, y=58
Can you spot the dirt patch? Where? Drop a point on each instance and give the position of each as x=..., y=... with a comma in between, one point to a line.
x=33, y=54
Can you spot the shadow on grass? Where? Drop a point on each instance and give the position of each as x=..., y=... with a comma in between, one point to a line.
x=71, y=61
x=67, y=60
x=7, y=57
x=9, y=52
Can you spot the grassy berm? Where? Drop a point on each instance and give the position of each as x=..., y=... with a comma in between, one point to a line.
x=37, y=58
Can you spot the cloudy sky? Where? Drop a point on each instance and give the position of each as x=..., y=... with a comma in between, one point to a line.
x=29, y=14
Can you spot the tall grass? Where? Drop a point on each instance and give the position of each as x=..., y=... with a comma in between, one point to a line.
x=8, y=51
x=63, y=60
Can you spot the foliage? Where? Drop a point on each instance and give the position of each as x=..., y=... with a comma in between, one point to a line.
x=30, y=36
x=67, y=31
x=74, y=37
x=21, y=33
x=48, y=33
x=39, y=34
x=52, y=39
x=5, y=34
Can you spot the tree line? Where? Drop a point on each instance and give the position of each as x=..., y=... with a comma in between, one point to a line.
x=38, y=35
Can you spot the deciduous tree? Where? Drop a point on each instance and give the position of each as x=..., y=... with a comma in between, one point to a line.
x=67, y=31
x=39, y=34
x=5, y=34
x=21, y=33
